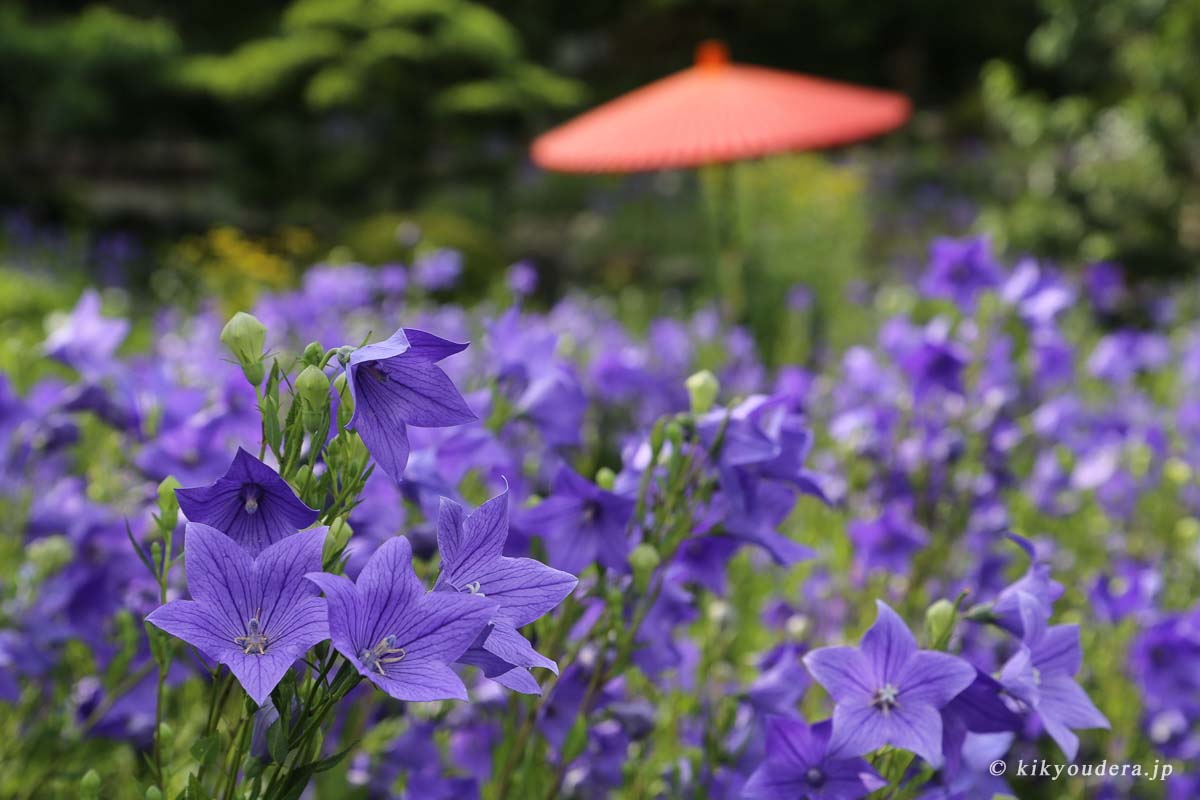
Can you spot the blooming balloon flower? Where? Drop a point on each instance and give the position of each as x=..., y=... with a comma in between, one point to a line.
x=395, y=634
x=1041, y=676
x=250, y=503
x=87, y=340
x=581, y=523
x=887, y=691
x=255, y=614
x=522, y=589
x=798, y=765
x=682, y=647
x=397, y=383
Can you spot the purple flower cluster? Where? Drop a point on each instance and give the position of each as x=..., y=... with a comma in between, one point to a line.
x=695, y=554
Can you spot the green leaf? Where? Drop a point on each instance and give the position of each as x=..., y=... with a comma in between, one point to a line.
x=576, y=741
x=333, y=760
x=277, y=742
x=205, y=749
x=195, y=790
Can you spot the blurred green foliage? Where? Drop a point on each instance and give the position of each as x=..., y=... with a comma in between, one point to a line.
x=64, y=75
x=1106, y=164
x=352, y=101
x=1071, y=124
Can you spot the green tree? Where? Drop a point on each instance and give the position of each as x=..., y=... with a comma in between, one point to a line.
x=361, y=103
x=1105, y=164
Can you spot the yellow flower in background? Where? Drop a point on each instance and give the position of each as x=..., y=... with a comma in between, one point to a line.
x=228, y=263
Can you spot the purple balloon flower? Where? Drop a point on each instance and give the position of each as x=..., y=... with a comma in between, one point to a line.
x=887, y=691
x=1041, y=676
x=395, y=634
x=522, y=589
x=250, y=503
x=397, y=383
x=581, y=523
x=87, y=340
x=799, y=765
x=256, y=615
x=960, y=270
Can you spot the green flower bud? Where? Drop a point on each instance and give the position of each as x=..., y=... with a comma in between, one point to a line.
x=940, y=619
x=1139, y=457
x=1188, y=529
x=644, y=558
x=1177, y=471
x=89, y=785
x=606, y=478
x=345, y=400
x=339, y=534
x=657, y=434
x=703, y=388
x=168, y=503
x=302, y=479
x=154, y=793
x=675, y=435
x=245, y=337
x=312, y=390
x=313, y=353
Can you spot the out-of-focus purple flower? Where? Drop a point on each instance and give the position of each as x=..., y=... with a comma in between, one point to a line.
x=523, y=590
x=934, y=361
x=397, y=383
x=799, y=297
x=250, y=503
x=1120, y=356
x=1010, y=610
x=522, y=279
x=1165, y=662
x=87, y=340
x=1105, y=284
x=255, y=615
x=393, y=280
x=887, y=691
x=1041, y=675
x=978, y=709
x=395, y=634
x=581, y=523
x=340, y=287
x=889, y=541
x=1131, y=590
x=960, y=270
x=798, y=765
x=438, y=269
x=1038, y=294
x=781, y=682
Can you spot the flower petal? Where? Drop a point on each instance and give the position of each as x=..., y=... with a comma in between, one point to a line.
x=195, y=624
x=388, y=591
x=916, y=727
x=442, y=627
x=220, y=574
x=857, y=729
x=934, y=678
x=888, y=645
x=843, y=671
x=525, y=589
x=383, y=432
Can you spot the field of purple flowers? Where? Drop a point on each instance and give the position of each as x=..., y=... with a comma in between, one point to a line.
x=327, y=548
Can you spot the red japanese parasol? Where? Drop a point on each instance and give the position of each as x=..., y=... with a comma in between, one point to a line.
x=714, y=112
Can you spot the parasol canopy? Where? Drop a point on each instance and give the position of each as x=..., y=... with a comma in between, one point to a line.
x=717, y=111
